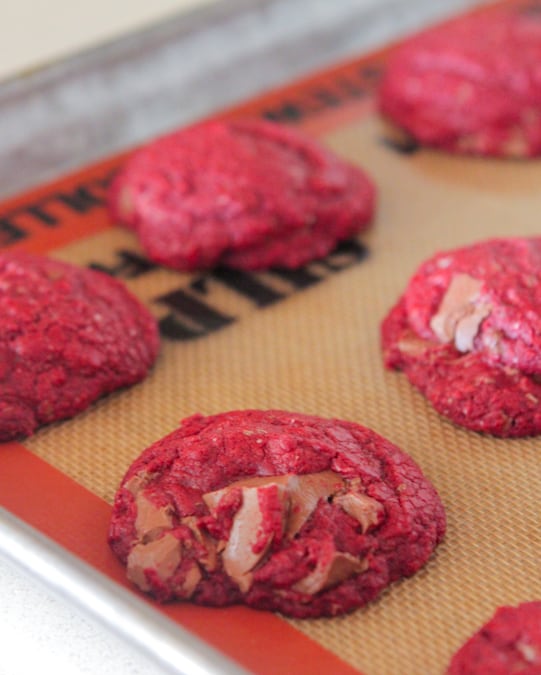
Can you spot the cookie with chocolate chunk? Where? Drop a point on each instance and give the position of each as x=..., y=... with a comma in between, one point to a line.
x=471, y=86
x=69, y=335
x=247, y=194
x=509, y=643
x=466, y=332
x=280, y=511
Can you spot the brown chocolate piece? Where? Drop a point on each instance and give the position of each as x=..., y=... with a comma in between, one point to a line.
x=330, y=572
x=192, y=578
x=411, y=345
x=210, y=561
x=137, y=482
x=299, y=495
x=529, y=652
x=162, y=555
x=305, y=491
x=460, y=315
x=239, y=556
x=212, y=499
x=366, y=510
x=151, y=520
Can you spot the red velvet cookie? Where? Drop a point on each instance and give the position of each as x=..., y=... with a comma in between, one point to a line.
x=248, y=195
x=510, y=643
x=467, y=333
x=473, y=86
x=69, y=335
x=280, y=511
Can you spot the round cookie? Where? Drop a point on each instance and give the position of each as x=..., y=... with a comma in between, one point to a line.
x=472, y=86
x=280, y=511
x=509, y=643
x=69, y=335
x=467, y=334
x=246, y=194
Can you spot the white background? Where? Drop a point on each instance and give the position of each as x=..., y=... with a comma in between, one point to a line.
x=41, y=634
x=33, y=32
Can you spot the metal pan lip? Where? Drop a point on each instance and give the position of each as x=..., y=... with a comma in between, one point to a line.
x=172, y=647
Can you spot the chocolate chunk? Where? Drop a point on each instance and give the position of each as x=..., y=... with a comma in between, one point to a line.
x=460, y=314
x=241, y=555
x=366, y=510
x=162, y=556
x=305, y=491
x=210, y=560
x=331, y=571
x=151, y=520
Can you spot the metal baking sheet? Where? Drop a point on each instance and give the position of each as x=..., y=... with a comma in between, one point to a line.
x=67, y=218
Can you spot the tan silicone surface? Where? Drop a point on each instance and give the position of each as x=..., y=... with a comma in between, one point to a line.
x=317, y=351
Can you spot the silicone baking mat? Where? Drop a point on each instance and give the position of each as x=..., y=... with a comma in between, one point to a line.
x=306, y=341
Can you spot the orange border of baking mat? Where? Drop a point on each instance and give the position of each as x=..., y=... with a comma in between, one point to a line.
x=59, y=213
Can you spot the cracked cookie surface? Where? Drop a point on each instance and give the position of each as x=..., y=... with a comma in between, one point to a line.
x=247, y=194
x=277, y=510
x=471, y=86
x=509, y=643
x=69, y=336
x=466, y=333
